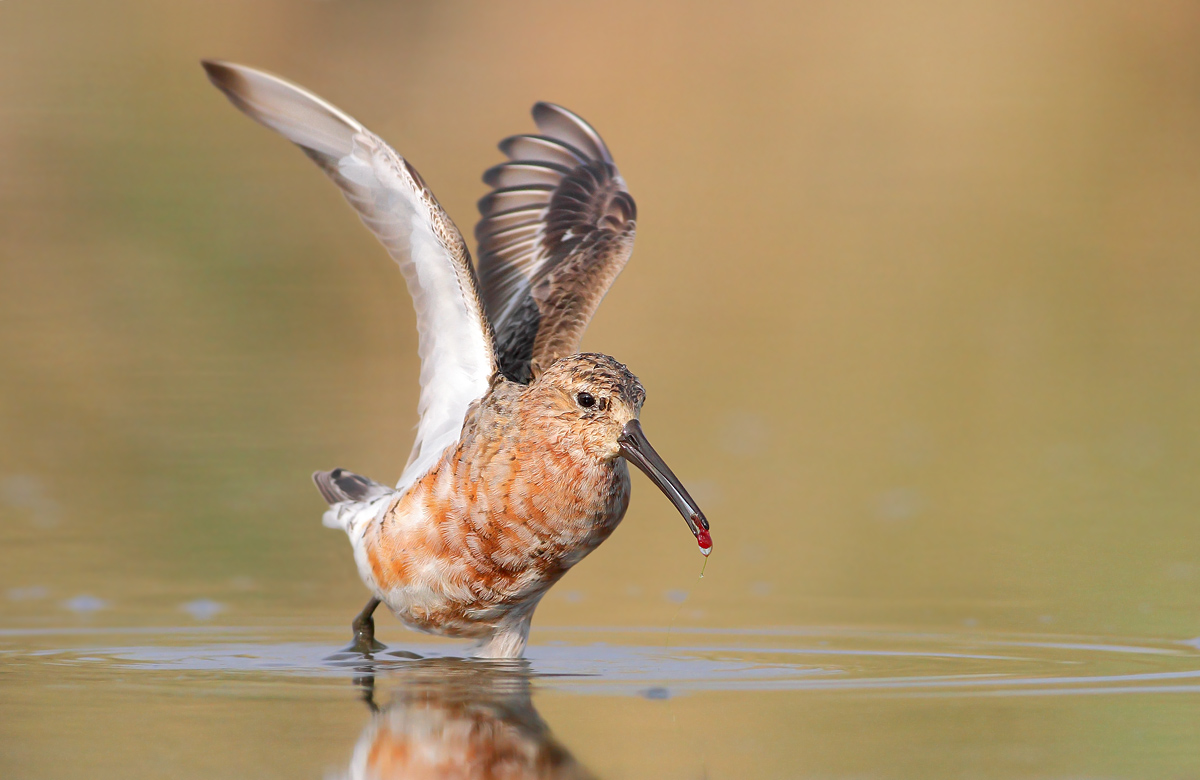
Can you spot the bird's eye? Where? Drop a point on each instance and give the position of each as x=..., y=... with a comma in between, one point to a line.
x=586, y=400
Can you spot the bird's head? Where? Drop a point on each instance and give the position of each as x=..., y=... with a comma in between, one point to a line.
x=598, y=401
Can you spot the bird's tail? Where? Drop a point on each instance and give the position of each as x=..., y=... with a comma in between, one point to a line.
x=353, y=500
x=340, y=485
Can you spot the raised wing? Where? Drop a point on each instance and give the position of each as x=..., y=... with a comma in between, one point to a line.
x=554, y=232
x=455, y=341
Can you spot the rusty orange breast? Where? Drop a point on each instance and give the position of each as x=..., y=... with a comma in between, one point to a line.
x=494, y=524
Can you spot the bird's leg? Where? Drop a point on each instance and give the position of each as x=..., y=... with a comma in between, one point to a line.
x=364, y=631
x=509, y=639
x=366, y=689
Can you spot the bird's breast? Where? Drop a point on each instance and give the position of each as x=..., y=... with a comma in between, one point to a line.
x=490, y=527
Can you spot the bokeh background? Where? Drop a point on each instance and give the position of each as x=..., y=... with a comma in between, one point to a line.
x=915, y=298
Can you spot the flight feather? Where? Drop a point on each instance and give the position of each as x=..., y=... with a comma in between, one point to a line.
x=455, y=338
x=554, y=233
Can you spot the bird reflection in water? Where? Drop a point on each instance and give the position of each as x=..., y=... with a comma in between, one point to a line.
x=452, y=718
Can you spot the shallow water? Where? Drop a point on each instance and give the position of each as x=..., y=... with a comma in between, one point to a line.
x=619, y=702
x=915, y=301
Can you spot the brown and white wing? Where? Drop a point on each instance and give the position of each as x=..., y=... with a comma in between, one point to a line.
x=455, y=341
x=553, y=234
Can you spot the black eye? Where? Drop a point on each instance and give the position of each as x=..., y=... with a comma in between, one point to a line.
x=586, y=400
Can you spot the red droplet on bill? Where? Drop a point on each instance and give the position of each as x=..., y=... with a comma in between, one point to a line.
x=704, y=540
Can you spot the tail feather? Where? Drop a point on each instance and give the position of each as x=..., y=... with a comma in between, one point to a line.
x=341, y=485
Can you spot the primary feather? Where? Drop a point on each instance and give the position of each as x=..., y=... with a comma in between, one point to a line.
x=554, y=233
x=455, y=341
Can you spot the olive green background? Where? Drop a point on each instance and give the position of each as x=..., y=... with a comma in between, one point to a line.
x=915, y=299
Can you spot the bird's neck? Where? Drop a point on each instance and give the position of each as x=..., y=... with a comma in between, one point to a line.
x=537, y=479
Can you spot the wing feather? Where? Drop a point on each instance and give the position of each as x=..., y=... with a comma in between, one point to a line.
x=555, y=232
x=502, y=220
x=515, y=198
x=536, y=148
x=524, y=174
x=455, y=338
x=566, y=127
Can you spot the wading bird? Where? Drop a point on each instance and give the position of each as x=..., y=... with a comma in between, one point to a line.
x=519, y=466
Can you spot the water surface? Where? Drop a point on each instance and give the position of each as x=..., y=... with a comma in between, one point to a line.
x=812, y=701
x=914, y=298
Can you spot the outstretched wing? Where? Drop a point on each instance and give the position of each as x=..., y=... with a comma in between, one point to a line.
x=554, y=232
x=455, y=340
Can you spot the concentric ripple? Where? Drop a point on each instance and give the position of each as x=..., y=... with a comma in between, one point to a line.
x=660, y=663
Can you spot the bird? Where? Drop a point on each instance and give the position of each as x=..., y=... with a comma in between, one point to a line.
x=450, y=717
x=519, y=465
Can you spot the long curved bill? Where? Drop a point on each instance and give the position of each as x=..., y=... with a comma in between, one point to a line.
x=637, y=450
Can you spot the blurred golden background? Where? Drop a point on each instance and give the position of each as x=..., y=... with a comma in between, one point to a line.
x=915, y=300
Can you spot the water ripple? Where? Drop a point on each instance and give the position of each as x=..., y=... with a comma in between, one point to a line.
x=638, y=661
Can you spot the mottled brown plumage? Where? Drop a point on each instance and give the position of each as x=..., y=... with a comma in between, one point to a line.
x=536, y=483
